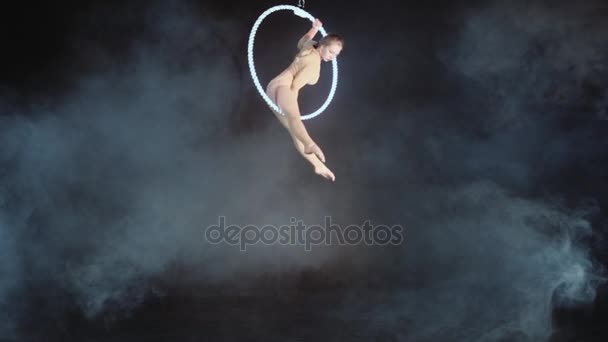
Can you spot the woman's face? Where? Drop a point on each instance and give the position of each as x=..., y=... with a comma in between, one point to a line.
x=330, y=52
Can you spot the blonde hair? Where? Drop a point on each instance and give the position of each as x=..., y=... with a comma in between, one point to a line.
x=332, y=38
x=329, y=39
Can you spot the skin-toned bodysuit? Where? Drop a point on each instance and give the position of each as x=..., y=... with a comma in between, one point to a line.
x=283, y=90
x=305, y=69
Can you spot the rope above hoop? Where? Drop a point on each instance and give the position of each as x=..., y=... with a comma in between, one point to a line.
x=303, y=14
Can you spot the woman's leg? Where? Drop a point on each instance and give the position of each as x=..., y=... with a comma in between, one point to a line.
x=318, y=165
x=288, y=102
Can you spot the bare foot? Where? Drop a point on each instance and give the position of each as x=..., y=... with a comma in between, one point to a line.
x=324, y=172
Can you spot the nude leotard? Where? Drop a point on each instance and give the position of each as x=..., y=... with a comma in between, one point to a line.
x=305, y=69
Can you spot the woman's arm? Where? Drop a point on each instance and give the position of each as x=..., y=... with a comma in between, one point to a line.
x=310, y=34
x=309, y=74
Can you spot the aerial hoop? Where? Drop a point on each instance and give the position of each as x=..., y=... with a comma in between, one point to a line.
x=303, y=14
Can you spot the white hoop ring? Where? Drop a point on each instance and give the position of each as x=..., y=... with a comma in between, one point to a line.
x=300, y=13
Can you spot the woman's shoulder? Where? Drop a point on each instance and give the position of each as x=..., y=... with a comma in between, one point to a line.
x=305, y=40
x=307, y=48
x=307, y=45
x=310, y=44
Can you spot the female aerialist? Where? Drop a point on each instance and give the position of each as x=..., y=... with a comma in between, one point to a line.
x=283, y=91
